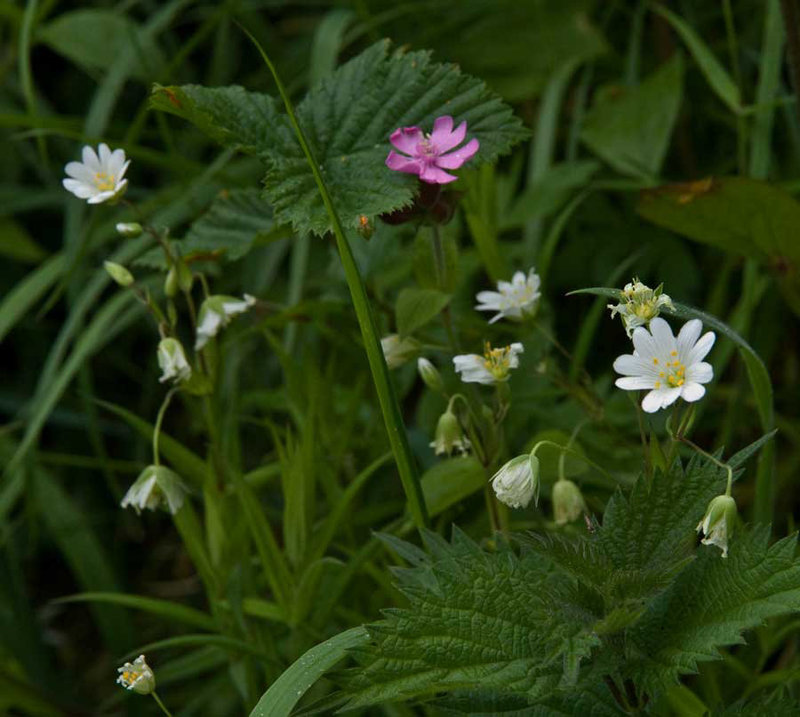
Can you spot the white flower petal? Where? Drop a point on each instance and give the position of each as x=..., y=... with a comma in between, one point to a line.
x=634, y=383
x=104, y=155
x=662, y=336
x=79, y=171
x=629, y=365
x=643, y=343
x=79, y=189
x=701, y=348
x=687, y=337
x=652, y=401
x=692, y=391
x=670, y=395
x=90, y=159
x=700, y=372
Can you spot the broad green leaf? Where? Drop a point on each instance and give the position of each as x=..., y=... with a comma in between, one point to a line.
x=328, y=42
x=416, y=307
x=92, y=40
x=162, y=608
x=17, y=244
x=716, y=75
x=347, y=119
x=282, y=696
x=515, y=46
x=712, y=603
x=236, y=222
x=630, y=127
x=550, y=193
x=450, y=481
x=473, y=617
x=737, y=214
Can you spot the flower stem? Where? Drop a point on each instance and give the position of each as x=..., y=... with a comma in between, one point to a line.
x=159, y=421
x=377, y=363
x=161, y=704
x=566, y=449
x=714, y=460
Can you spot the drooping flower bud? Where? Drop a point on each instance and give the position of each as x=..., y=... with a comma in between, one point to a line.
x=172, y=360
x=137, y=676
x=217, y=312
x=398, y=350
x=156, y=487
x=129, y=230
x=517, y=482
x=449, y=436
x=119, y=273
x=718, y=523
x=568, y=502
x=430, y=375
x=640, y=304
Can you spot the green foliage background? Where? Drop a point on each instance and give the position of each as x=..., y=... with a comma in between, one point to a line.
x=617, y=139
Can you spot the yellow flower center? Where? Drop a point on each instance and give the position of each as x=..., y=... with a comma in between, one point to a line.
x=130, y=676
x=674, y=373
x=497, y=361
x=105, y=182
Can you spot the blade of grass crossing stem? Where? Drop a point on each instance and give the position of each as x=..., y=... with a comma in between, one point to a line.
x=769, y=77
x=282, y=696
x=380, y=371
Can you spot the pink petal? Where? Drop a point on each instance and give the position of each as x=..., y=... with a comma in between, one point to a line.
x=399, y=163
x=446, y=142
x=455, y=159
x=406, y=139
x=434, y=175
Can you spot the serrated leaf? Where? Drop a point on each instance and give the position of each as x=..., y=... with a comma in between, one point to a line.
x=416, y=307
x=712, y=603
x=347, y=119
x=630, y=127
x=237, y=221
x=474, y=617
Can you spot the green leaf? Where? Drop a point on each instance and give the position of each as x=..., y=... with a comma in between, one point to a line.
x=712, y=603
x=17, y=244
x=170, y=611
x=737, y=214
x=416, y=307
x=715, y=74
x=347, y=118
x=450, y=481
x=630, y=127
x=236, y=222
x=473, y=617
x=92, y=38
x=282, y=696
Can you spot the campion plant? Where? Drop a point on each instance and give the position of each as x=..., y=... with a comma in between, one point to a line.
x=394, y=467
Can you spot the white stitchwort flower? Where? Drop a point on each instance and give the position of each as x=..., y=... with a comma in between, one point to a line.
x=640, y=304
x=137, y=676
x=670, y=368
x=217, y=312
x=513, y=299
x=172, y=361
x=517, y=482
x=493, y=367
x=717, y=524
x=398, y=350
x=99, y=177
x=568, y=502
x=156, y=486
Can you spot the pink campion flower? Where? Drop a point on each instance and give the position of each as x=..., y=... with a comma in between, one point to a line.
x=428, y=155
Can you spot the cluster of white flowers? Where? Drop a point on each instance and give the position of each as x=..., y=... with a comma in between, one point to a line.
x=640, y=305
x=513, y=299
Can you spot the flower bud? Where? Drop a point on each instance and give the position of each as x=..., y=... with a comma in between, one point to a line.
x=171, y=283
x=137, y=676
x=119, y=273
x=517, y=482
x=568, y=503
x=130, y=230
x=449, y=436
x=640, y=304
x=398, y=350
x=429, y=374
x=156, y=487
x=172, y=361
x=718, y=522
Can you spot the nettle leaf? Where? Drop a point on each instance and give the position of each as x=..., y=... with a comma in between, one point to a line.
x=475, y=618
x=347, y=119
x=236, y=222
x=712, y=603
